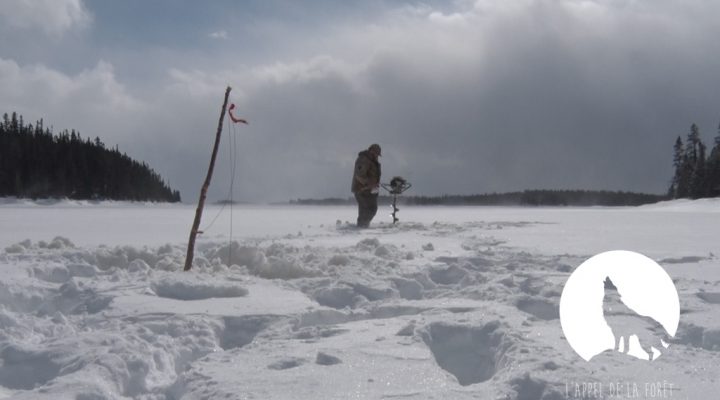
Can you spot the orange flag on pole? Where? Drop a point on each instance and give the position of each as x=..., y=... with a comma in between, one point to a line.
x=232, y=117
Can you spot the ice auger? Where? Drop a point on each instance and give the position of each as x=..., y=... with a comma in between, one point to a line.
x=396, y=187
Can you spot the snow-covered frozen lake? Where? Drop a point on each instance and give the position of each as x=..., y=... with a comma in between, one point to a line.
x=453, y=302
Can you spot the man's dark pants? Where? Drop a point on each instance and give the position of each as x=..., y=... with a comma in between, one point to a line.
x=367, y=208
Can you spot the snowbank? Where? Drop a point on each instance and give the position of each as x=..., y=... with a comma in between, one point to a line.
x=685, y=205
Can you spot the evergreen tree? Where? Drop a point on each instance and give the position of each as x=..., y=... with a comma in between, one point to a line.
x=698, y=180
x=713, y=169
x=689, y=163
x=678, y=186
x=691, y=145
x=14, y=122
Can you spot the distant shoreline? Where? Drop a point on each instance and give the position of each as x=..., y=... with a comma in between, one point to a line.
x=528, y=198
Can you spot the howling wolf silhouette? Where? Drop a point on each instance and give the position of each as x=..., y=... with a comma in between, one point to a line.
x=625, y=322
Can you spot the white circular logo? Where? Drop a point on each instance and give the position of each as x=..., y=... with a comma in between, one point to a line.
x=622, y=301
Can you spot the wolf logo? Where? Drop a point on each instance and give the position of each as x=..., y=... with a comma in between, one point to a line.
x=626, y=322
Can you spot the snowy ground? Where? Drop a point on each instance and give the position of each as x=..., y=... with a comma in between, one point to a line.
x=451, y=303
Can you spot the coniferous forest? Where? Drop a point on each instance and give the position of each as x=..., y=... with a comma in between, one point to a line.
x=35, y=163
x=697, y=173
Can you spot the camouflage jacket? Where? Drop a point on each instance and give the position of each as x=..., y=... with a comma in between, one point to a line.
x=366, y=174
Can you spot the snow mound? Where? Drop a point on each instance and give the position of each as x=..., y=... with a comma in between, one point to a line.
x=385, y=251
x=74, y=297
x=339, y=259
x=277, y=261
x=237, y=254
x=57, y=243
x=683, y=260
x=336, y=296
x=286, y=364
x=347, y=294
x=282, y=268
x=188, y=287
x=369, y=244
x=684, y=205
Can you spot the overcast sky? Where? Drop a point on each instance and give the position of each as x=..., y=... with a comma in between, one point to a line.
x=464, y=96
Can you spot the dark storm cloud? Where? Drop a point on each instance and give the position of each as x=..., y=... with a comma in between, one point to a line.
x=546, y=95
x=473, y=97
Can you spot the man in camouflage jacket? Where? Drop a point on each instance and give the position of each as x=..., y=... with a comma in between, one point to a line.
x=366, y=184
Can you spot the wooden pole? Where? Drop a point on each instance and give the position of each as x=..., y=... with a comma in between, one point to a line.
x=203, y=190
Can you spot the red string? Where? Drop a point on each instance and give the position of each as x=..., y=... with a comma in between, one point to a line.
x=232, y=117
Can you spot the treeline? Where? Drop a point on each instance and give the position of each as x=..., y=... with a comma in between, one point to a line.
x=524, y=198
x=35, y=163
x=697, y=174
x=544, y=198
